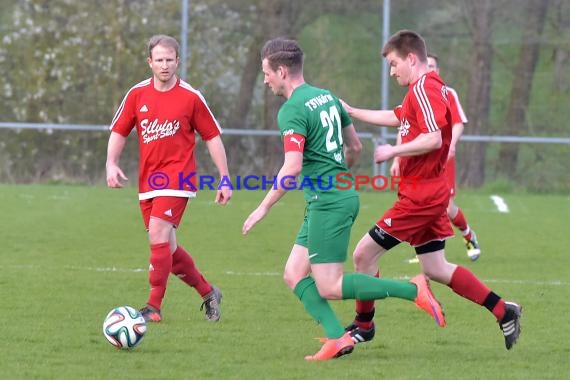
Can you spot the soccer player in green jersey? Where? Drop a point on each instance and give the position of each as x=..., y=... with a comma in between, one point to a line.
x=320, y=144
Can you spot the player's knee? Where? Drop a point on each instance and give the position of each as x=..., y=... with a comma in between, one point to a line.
x=159, y=232
x=291, y=279
x=361, y=260
x=451, y=209
x=370, y=248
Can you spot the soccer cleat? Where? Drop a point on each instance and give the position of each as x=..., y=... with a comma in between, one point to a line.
x=359, y=335
x=426, y=300
x=151, y=314
x=473, y=249
x=333, y=348
x=212, y=303
x=511, y=324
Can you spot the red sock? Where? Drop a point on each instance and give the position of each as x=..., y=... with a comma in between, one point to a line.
x=184, y=268
x=459, y=221
x=159, y=269
x=467, y=285
x=365, y=307
x=499, y=310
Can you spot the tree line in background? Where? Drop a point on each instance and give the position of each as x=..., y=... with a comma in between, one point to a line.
x=69, y=61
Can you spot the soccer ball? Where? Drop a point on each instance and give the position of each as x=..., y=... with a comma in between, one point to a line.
x=124, y=327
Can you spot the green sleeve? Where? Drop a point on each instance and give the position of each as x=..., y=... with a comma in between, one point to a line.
x=291, y=119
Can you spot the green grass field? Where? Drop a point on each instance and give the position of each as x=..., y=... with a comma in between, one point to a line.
x=70, y=254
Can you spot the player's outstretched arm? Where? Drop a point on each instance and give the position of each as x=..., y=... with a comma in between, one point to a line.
x=385, y=118
x=218, y=153
x=288, y=173
x=114, y=149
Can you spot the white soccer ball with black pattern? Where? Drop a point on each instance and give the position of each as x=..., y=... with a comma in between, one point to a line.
x=124, y=327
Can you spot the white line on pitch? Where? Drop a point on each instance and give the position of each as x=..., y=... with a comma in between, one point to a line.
x=231, y=273
x=273, y=274
x=500, y=203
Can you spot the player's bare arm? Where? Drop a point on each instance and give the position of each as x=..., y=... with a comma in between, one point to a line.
x=395, y=168
x=114, y=149
x=289, y=171
x=352, y=145
x=218, y=153
x=424, y=143
x=378, y=117
x=456, y=132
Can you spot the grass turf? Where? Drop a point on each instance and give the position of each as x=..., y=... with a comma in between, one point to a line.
x=70, y=254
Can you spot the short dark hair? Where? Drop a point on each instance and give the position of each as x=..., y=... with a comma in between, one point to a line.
x=283, y=52
x=435, y=58
x=405, y=42
x=162, y=39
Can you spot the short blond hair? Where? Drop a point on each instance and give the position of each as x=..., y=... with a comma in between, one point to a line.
x=164, y=40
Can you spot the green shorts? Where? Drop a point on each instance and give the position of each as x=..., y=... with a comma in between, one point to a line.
x=326, y=230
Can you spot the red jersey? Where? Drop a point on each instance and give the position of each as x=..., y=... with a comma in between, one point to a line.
x=425, y=109
x=166, y=125
x=457, y=113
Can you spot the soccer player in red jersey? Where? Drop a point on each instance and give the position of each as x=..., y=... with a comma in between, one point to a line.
x=458, y=121
x=419, y=216
x=167, y=114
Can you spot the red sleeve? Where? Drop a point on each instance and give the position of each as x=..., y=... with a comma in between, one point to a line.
x=294, y=143
x=203, y=120
x=398, y=112
x=430, y=105
x=125, y=118
x=457, y=114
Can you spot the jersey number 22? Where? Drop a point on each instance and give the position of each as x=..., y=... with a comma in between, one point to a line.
x=329, y=120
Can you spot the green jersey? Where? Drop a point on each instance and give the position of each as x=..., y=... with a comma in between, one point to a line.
x=319, y=116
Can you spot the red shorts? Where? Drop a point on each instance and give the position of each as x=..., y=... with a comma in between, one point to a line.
x=450, y=174
x=169, y=209
x=419, y=216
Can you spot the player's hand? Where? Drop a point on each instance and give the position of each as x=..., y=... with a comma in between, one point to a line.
x=395, y=168
x=253, y=218
x=114, y=175
x=383, y=153
x=223, y=195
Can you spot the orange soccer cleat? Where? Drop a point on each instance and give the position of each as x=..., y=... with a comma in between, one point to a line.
x=333, y=348
x=426, y=300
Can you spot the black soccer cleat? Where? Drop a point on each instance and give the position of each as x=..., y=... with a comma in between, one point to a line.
x=150, y=314
x=511, y=324
x=359, y=335
x=212, y=303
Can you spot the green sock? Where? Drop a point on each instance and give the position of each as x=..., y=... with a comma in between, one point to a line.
x=367, y=288
x=318, y=307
